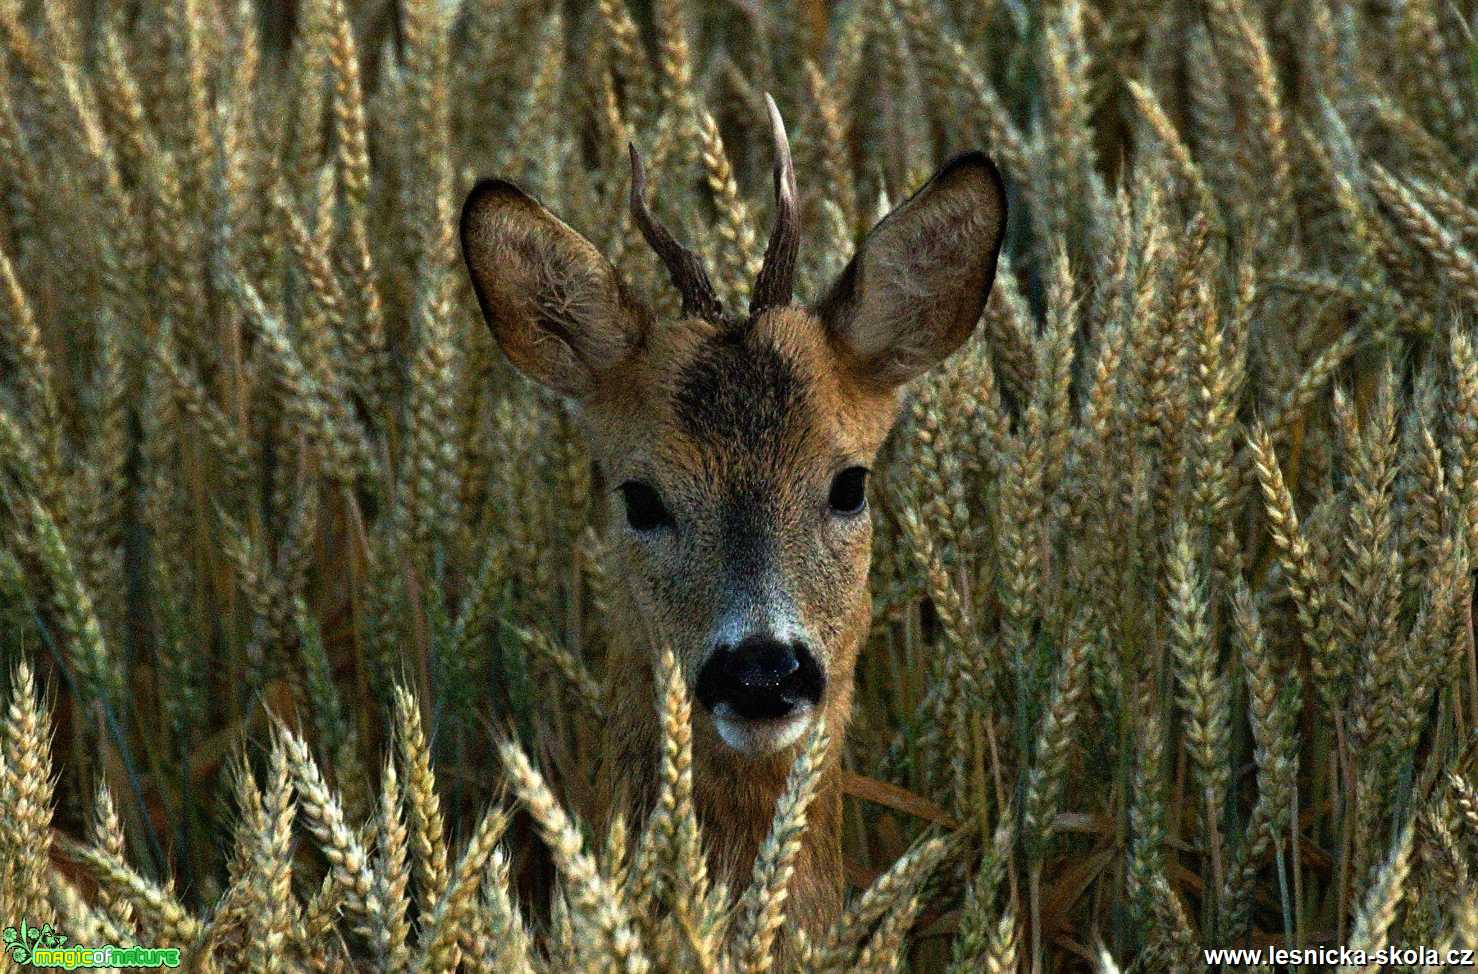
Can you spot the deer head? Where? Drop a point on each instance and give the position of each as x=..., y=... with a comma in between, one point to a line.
x=739, y=445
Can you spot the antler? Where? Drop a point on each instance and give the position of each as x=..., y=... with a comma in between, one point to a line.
x=683, y=266
x=776, y=280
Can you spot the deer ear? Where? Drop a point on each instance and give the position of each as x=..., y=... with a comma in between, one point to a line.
x=915, y=289
x=555, y=306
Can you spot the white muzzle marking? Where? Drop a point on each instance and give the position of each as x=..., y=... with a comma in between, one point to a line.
x=761, y=736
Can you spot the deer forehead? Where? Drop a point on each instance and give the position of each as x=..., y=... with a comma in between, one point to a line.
x=762, y=403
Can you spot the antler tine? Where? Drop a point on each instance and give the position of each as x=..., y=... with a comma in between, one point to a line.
x=683, y=266
x=776, y=281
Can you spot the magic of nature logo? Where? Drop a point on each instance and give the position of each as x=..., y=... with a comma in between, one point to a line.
x=47, y=947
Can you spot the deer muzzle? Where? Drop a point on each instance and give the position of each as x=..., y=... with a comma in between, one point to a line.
x=760, y=692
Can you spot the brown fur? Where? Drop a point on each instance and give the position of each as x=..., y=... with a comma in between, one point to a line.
x=741, y=429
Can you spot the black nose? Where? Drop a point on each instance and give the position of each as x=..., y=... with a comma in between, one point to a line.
x=761, y=678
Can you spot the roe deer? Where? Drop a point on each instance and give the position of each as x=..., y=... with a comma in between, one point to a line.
x=740, y=445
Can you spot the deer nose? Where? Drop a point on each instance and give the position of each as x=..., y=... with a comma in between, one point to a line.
x=761, y=678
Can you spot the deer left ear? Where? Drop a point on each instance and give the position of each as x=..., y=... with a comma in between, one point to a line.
x=556, y=306
x=915, y=289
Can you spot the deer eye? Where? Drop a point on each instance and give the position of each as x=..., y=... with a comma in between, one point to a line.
x=849, y=491
x=644, y=508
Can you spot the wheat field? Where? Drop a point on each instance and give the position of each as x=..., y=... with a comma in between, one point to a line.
x=304, y=603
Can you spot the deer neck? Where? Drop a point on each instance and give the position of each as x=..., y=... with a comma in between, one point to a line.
x=735, y=795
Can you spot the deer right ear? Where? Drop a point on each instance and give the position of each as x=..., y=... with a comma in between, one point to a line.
x=555, y=306
x=917, y=285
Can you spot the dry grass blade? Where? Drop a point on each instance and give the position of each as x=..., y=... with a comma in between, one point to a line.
x=762, y=906
x=1373, y=924
x=598, y=903
x=428, y=831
